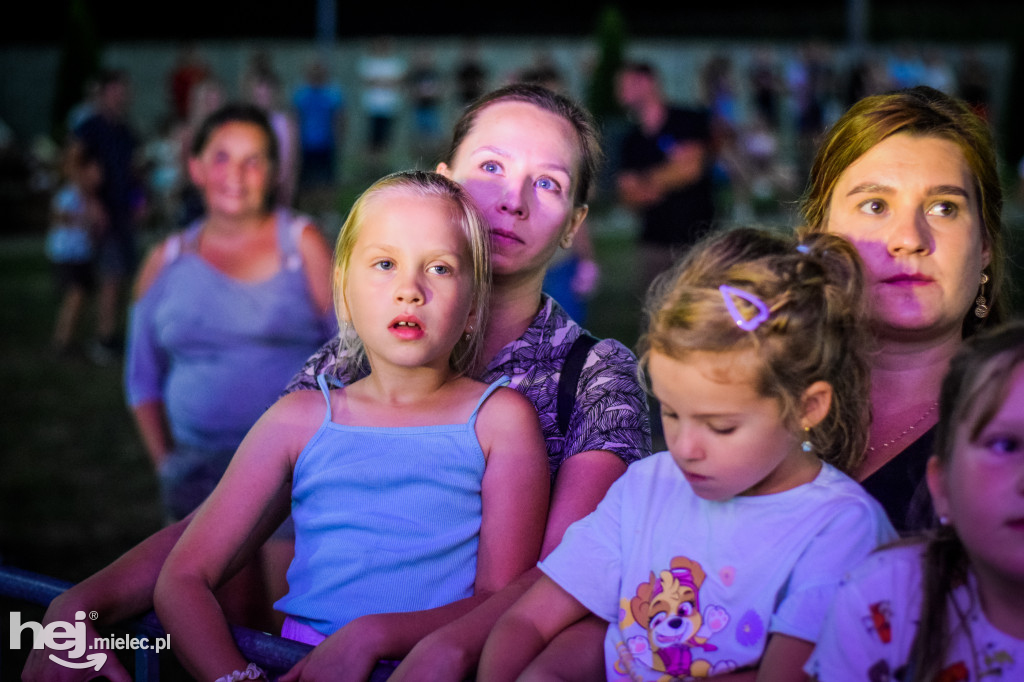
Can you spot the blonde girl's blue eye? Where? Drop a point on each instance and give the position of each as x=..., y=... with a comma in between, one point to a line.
x=440, y=269
x=872, y=207
x=385, y=265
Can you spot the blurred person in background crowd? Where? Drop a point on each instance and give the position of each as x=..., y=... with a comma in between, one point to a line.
x=223, y=314
x=108, y=135
x=665, y=170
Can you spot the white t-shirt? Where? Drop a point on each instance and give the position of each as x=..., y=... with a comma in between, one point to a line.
x=382, y=81
x=871, y=626
x=694, y=587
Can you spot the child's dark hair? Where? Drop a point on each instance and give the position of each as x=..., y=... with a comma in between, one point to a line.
x=236, y=112
x=814, y=329
x=972, y=393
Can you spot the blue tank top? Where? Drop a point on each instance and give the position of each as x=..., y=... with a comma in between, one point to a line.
x=387, y=519
x=218, y=351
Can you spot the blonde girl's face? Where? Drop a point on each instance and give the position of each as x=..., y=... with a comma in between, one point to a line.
x=910, y=206
x=234, y=170
x=982, y=492
x=520, y=163
x=727, y=439
x=409, y=285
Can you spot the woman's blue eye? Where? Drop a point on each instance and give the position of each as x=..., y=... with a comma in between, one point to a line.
x=490, y=167
x=548, y=183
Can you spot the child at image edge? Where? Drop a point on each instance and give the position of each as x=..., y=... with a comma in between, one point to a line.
x=78, y=220
x=722, y=554
x=417, y=488
x=951, y=606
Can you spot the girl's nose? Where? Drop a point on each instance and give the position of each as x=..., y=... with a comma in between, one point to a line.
x=685, y=445
x=409, y=290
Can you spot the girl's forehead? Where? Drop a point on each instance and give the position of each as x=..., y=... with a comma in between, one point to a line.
x=731, y=366
x=403, y=210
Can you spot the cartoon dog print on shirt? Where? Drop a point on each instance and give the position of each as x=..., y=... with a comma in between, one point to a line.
x=668, y=607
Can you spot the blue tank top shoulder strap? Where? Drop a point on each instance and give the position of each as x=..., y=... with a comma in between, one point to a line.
x=289, y=232
x=495, y=385
x=182, y=241
x=321, y=380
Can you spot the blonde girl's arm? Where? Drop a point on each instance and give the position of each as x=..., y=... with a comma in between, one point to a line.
x=515, y=490
x=515, y=497
x=255, y=486
x=521, y=634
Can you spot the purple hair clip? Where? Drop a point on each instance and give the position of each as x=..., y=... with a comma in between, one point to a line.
x=742, y=322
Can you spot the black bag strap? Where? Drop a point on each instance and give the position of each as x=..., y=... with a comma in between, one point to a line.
x=569, y=380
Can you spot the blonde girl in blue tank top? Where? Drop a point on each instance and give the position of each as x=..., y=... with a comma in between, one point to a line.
x=437, y=482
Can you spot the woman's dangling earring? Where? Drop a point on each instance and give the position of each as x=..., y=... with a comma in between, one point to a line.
x=806, y=445
x=981, y=305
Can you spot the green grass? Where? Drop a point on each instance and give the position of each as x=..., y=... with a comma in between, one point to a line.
x=77, y=488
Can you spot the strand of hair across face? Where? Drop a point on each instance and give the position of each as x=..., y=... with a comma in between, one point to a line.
x=897, y=439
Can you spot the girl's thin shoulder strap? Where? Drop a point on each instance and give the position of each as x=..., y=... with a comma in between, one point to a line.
x=495, y=385
x=321, y=381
